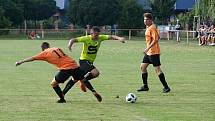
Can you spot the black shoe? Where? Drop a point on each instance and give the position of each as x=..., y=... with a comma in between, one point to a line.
x=143, y=88
x=61, y=101
x=166, y=90
x=98, y=97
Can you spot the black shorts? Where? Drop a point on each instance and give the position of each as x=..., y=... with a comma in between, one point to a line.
x=152, y=59
x=63, y=75
x=86, y=65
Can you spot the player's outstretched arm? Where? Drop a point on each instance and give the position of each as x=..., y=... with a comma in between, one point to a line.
x=114, y=37
x=23, y=61
x=71, y=42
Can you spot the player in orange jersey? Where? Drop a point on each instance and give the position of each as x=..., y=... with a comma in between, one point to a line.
x=67, y=67
x=152, y=54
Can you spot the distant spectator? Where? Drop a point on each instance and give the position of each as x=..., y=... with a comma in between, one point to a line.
x=88, y=27
x=178, y=27
x=33, y=35
x=169, y=35
x=72, y=27
x=113, y=29
x=213, y=38
x=210, y=37
x=202, y=35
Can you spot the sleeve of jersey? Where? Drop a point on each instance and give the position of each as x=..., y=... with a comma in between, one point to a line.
x=103, y=37
x=82, y=39
x=40, y=56
x=155, y=34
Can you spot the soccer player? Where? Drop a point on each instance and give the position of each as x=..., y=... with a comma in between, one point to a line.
x=91, y=44
x=152, y=54
x=67, y=67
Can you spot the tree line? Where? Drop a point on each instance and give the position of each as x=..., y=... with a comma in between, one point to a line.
x=13, y=13
x=127, y=14
x=205, y=9
x=124, y=13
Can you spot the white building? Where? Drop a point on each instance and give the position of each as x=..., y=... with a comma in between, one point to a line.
x=60, y=3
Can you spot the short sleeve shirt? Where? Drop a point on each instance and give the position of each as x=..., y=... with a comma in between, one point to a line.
x=90, y=46
x=150, y=35
x=56, y=57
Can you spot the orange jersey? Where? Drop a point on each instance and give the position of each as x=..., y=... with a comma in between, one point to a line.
x=150, y=35
x=56, y=57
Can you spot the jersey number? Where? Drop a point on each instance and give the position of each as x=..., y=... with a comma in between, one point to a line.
x=59, y=53
x=92, y=49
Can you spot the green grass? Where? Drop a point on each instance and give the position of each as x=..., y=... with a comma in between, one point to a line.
x=25, y=94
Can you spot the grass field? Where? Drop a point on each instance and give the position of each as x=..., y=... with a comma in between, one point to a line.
x=25, y=93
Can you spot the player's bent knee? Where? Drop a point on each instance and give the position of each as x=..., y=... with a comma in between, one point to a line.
x=143, y=69
x=95, y=72
x=158, y=70
x=54, y=83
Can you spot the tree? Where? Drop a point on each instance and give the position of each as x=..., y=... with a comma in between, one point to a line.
x=162, y=9
x=12, y=11
x=94, y=12
x=4, y=22
x=131, y=16
x=186, y=20
x=39, y=9
x=205, y=9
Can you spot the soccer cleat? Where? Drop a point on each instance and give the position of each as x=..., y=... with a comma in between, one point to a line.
x=61, y=101
x=98, y=97
x=82, y=86
x=166, y=90
x=143, y=88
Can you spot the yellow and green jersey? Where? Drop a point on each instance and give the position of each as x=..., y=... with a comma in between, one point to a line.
x=90, y=46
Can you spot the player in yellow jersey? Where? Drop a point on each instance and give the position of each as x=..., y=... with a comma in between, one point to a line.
x=67, y=67
x=152, y=54
x=91, y=44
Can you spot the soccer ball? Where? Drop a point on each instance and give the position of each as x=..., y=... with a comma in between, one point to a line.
x=131, y=98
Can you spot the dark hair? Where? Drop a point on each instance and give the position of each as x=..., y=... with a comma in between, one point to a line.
x=96, y=29
x=148, y=15
x=45, y=45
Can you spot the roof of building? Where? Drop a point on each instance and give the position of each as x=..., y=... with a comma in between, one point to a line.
x=60, y=4
x=184, y=4
x=179, y=5
x=145, y=3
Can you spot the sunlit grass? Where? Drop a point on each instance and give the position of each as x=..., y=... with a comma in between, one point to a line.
x=189, y=69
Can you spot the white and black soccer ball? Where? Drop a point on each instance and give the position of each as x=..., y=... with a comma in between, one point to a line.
x=131, y=98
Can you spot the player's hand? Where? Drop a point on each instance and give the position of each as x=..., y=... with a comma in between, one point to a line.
x=145, y=51
x=70, y=48
x=122, y=39
x=18, y=63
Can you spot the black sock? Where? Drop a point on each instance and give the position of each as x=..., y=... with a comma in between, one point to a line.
x=59, y=92
x=163, y=80
x=68, y=86
x=89, y=86
x=144, y=78
x=90, y=76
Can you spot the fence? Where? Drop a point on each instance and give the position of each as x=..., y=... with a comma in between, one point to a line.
x=70, y=33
